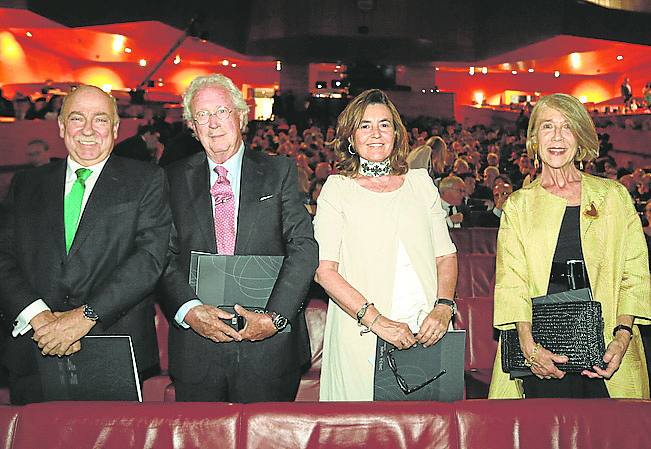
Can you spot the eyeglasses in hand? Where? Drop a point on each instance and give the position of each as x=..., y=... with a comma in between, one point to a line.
x=402, y=383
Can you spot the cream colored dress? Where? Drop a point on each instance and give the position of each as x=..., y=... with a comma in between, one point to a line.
x=361, y=230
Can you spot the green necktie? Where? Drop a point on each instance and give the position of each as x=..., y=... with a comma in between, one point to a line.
x=72, y=205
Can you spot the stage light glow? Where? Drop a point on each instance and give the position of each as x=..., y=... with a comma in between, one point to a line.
x=530, y=70
x=557, y=73
x=142, y=62
x=620, y=57
x=29, y=34
x=471, y=71
x=10, y=49
x=575, y=60
x=127, y=49
x=225, y=62
x=484, y=70
x=107, y=88
x=514, y=72
x=177, y=59
x=478, y=97
x=583, y=99
x=233, y=65
x=118, y=42
x=279, y=66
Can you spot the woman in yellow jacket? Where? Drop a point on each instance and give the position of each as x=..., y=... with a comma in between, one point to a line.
x=569, y=215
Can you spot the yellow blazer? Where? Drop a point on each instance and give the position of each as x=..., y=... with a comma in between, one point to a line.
x=615, y=254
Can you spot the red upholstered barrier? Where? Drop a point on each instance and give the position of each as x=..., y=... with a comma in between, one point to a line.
x=375, y=425
x=470, y=424
x=124, y=425
x=554, y=423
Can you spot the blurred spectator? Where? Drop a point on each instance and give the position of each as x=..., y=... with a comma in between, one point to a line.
x=502, y=189
x=144, y=146
x=37, y=110
x=452, y=191
x=627, y=92
x=6, y=106
x=37, y=153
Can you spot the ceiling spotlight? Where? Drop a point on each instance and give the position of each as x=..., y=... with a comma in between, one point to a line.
x=127, y=49
x=557, y=73
x=436, y=68
x=233, y=65
x=620, y=57
x=484, y=70
x=279, y=66
x=28, y=34
x=337, y=66
x=471, y=71
x=177, y=59
x=423, y=90
x=142, y=62
x=225, y=62
x=514, y=72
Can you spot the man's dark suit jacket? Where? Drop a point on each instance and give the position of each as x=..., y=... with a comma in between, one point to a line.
x=118, y=254
x=271, y=221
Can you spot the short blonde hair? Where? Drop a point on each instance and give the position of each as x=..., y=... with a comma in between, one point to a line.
x=577, y=117
x=450, y=182
x=222, y=82
x=347, y=124
x=115, y=118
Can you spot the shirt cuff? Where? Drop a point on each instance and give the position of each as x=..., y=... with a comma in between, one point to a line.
x=183, y=311
x=21, y=325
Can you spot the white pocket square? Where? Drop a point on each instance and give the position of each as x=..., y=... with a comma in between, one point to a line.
x=266, y=197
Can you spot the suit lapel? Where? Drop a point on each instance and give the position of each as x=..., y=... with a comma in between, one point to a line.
x=53, y=194
x=251, y=182
x=198, y=183
x=106, y=192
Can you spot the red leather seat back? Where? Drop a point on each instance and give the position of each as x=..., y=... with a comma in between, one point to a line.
x=124, y=425
x=315, y=316
x=377, y=425
x=553, y=423
x=476, y=261
x=8, y=422
x=476, y=317
x=162, y=328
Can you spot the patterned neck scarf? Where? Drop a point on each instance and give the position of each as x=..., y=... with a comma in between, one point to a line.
x=374, y=169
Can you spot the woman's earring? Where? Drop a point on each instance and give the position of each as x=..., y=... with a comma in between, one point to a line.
x=350, y=149
x=536, y=164
x=580, y=165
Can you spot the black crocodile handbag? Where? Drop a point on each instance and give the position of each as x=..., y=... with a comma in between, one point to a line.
x=568, y=323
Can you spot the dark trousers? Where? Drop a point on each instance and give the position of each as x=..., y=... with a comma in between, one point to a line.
x=573, y=385
x=226, y=381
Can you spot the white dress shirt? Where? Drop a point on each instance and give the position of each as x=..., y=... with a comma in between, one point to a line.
x=21, y=325
x=234, y=176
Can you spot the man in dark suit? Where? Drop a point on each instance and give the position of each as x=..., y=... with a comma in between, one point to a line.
x=502, y=189
x=230, y=199
x=142, y=147
x=453, y=191
x=81, y=248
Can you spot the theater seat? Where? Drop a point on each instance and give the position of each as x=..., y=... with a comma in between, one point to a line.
x=315, y=316
x=155, y=388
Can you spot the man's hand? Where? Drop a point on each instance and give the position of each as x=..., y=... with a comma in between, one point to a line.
x=456, y=218
x=61, y=336
x=206, y=321
x=258, y=325
x=435, y=325
x=42, y=319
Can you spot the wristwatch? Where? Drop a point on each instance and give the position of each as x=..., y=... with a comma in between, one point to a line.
x=89, y=313
x=362, y=311
x=279, y=321
x=448, y=302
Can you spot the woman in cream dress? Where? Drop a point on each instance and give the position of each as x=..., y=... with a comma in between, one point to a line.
x=386, y=258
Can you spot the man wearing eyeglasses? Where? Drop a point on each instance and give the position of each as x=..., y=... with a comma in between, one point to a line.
x=502, y=189
x=230, y=199
x=453, y=191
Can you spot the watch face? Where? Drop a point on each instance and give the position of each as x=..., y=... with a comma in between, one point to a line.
x=280, y=322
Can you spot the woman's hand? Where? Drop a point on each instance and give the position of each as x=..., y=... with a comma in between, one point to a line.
x=435, y=325
x=544, y=365
x=613, y=358
x=395, y=332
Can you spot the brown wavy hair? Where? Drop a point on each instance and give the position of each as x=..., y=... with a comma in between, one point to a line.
x=347, y=124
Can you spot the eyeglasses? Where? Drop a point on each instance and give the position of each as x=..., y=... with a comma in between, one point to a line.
x=402, y=383
x=203, y=117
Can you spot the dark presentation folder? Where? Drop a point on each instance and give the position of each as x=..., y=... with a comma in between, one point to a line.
x=103, y=370
x=229, y=280
x=417, y=365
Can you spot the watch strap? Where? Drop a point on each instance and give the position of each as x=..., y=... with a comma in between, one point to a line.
x=448, y=302
x=623, y=327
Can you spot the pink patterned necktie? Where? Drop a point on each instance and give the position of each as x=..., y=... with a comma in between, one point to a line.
x=222, y=194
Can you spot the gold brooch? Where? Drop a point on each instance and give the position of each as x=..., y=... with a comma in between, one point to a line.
x=591, y=211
